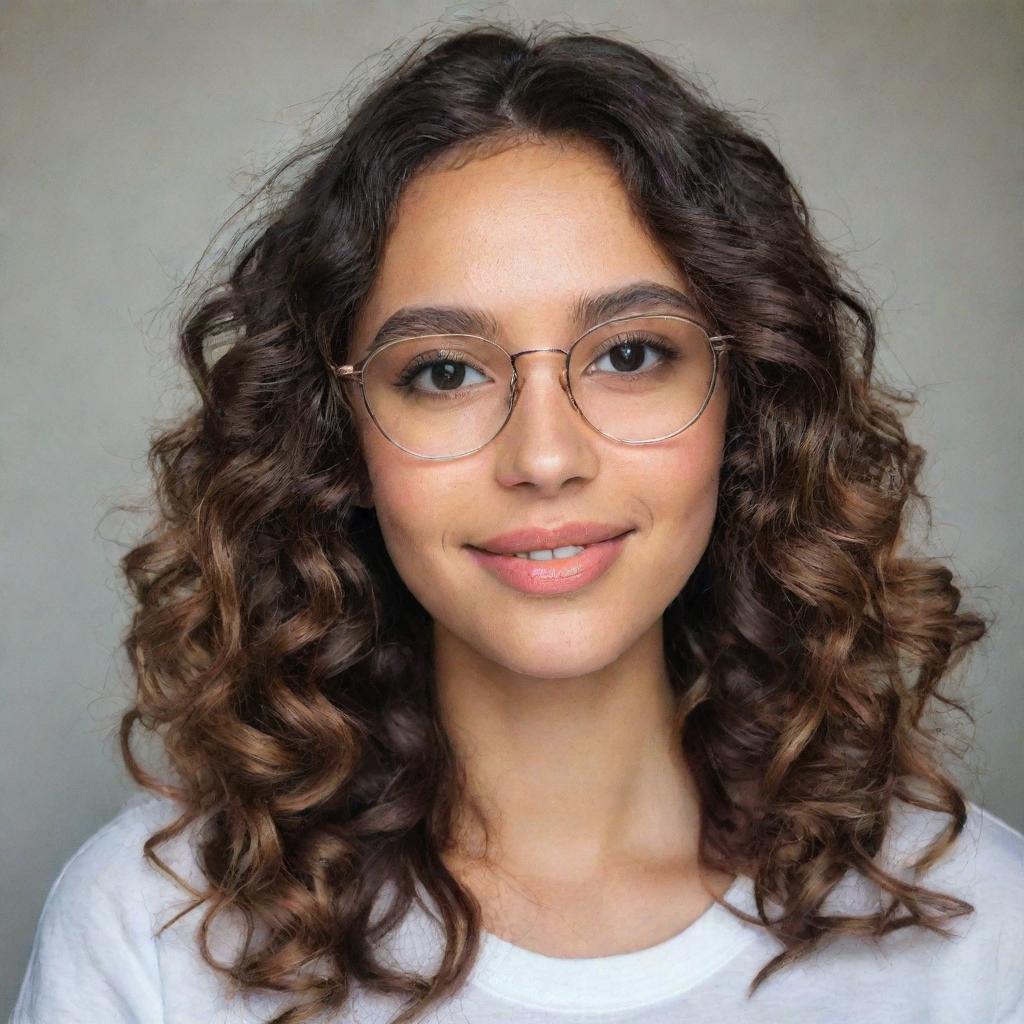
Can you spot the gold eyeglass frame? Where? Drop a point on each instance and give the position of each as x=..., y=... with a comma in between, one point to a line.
x=353, y=373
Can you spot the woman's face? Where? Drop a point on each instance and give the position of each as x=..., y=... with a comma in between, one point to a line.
x=523, y=233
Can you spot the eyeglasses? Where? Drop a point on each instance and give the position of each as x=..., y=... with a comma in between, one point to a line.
x=636, y=379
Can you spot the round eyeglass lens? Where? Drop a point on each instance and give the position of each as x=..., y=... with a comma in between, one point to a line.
x=642, y=378
x=635, y=379
x=439, y=395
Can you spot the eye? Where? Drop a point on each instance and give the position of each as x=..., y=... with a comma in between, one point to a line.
x=623, y=352
x=448, y=374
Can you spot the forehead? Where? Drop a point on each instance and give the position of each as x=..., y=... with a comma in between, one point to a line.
x=526, y=230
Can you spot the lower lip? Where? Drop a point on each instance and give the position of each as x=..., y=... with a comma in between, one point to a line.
x=555, y=575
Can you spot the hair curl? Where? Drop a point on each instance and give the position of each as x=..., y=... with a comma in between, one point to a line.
x=285, y=666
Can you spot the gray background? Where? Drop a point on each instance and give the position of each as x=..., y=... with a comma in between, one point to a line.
x=129, y=132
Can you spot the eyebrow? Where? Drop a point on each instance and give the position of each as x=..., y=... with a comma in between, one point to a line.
x=587, y=311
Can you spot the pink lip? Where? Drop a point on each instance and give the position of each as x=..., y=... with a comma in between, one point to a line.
x=556, y=575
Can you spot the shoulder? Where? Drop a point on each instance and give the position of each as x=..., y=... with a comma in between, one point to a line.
x=995, y=849
x=982, y=959
x=95, y=942
x=110, y=867
x=985, y=861
x=969, y=967
x=986, y=867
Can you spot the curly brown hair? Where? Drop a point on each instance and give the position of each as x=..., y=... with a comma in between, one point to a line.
x=286, y=668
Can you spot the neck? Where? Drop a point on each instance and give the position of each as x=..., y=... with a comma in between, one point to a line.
x=573, y=776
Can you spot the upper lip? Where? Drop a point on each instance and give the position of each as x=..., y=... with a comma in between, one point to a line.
x=538, y=538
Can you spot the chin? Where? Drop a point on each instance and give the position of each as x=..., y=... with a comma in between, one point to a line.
x=550, y=657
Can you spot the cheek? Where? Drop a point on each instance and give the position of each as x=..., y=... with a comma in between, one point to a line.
x=684, y=494
x=410, y=511
x=411, y=524
x=687, y=491
x=419, y=508
x=422, y=517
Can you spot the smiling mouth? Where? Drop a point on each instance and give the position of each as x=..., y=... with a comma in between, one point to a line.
x=569, y=550
x=580, y=566
x=576, y=536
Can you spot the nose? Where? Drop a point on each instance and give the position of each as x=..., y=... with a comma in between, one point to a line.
x=543, y=441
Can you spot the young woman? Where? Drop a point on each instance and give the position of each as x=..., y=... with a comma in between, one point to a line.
x=526, y=623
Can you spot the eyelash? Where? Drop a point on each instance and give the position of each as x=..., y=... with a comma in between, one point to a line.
x=648, y=341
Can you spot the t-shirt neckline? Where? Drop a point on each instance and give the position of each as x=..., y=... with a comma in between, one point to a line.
x=622, y=981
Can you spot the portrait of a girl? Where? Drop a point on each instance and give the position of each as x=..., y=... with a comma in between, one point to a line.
x=527, y=631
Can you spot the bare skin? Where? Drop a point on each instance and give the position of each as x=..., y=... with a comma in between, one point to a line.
x=559, y=706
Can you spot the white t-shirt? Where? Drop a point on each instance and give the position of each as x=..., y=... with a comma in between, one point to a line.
x=95, y=958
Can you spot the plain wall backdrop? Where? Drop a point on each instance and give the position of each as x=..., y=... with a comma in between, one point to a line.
x=129, y=131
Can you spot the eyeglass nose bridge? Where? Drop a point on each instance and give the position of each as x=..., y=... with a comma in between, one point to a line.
x=517, y=381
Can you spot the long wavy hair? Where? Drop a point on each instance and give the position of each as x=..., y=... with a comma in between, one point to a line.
x=285, y=668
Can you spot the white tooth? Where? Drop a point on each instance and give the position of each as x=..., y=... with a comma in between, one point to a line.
x=566, y=552
x=542, y=556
